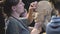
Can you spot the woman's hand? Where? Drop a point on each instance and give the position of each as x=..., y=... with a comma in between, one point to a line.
x=32, y=8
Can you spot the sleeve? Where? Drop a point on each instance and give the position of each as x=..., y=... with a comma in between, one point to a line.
x=13, y=28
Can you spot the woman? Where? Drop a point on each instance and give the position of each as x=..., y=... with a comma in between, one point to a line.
x=14, y=24
x=54, y=26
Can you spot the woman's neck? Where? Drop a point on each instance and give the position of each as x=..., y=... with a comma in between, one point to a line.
x=16, y=15
x=58, y=15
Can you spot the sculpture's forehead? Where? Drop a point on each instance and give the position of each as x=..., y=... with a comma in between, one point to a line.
x=44, y=5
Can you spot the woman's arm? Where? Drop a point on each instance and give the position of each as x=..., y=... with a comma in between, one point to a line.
x=37, y=29
x=31, y=10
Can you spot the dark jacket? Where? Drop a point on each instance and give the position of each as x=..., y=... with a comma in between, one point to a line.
x=16, y=26
x=54, y=26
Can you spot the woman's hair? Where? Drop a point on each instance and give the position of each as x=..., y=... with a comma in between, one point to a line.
x=56, y=4
x=2, y=22
x=8, y=6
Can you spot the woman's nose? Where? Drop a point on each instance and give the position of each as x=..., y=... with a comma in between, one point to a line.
x=23, y=4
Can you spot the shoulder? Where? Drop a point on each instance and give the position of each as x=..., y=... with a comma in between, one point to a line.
x=11, y=21
x=48, y=25
x=22, y=18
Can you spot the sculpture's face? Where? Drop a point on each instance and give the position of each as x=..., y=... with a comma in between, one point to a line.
x=44, y=11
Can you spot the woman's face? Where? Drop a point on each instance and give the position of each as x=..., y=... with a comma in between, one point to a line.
x=20, y=7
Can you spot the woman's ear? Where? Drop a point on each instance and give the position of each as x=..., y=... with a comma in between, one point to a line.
x=13, y=8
